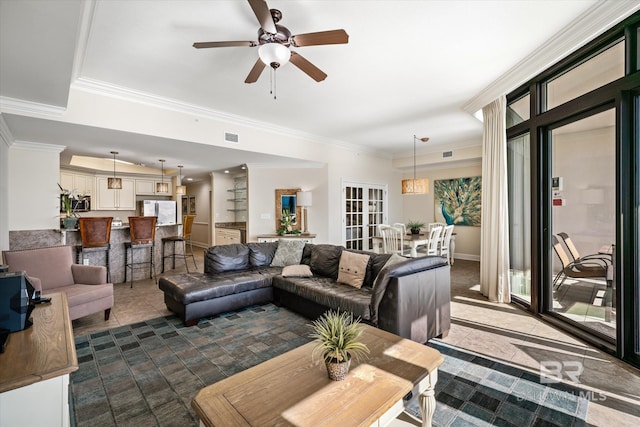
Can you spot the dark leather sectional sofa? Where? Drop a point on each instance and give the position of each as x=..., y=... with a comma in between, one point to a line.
x=410, y=298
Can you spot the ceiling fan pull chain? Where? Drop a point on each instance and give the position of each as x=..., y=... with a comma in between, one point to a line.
x=275, y=88
x=270, y=81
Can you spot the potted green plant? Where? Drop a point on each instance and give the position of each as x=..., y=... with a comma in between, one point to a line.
x=71, y=220
x=415, y=226
x=286, y=224
x=336, y=336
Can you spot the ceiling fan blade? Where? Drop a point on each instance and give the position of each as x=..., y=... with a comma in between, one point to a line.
x=202, y=45
x=322, y=37
x=255, y=72
x=262, y=12
x=311, y=70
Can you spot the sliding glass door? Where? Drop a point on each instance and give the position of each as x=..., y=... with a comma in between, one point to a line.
x=582, y=280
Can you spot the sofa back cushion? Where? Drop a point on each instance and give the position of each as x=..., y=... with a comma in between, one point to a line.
x=289, y=252
x=261, y=254
x=325, y=260
x=226, y=258
x=51, y=265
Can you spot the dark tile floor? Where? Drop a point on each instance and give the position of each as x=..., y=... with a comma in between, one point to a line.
x=503, y=332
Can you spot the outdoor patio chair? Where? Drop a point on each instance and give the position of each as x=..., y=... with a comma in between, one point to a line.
x=577, y=269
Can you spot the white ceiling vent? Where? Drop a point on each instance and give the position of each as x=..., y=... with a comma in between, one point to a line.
x=446, y=154
x=231, y=137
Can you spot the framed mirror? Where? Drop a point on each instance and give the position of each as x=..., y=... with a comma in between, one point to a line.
x=286, y=199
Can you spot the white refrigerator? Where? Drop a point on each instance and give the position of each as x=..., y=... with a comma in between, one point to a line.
x=165, y=210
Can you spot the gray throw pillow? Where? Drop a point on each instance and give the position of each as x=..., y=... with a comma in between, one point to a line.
x=289, y=252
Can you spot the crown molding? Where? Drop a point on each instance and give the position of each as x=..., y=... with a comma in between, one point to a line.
x=593, y=22
x=87, y=12
x=5, y=134
x=22, y=107
x=131, y=95
x=38, y=146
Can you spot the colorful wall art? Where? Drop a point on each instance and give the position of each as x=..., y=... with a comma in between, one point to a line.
x=458, y=201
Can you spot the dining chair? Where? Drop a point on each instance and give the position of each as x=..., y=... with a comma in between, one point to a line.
x=406, y=245
x=434, y=241
x=392, y=239
x=445, y=242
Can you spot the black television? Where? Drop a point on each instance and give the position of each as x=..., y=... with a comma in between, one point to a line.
x=16, y=304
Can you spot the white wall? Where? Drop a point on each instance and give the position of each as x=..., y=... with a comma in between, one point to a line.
x=200, y=231
x=421, y=208
x=34, y=172
x=221, y=183
x=263, y=183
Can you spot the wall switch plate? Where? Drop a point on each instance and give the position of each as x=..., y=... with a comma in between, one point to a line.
x=265, y=216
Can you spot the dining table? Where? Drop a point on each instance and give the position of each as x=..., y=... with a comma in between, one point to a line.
x=415, y=240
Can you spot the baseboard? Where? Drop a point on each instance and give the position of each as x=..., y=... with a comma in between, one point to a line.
x=468, y=257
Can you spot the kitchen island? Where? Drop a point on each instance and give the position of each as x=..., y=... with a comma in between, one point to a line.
x=28, y=239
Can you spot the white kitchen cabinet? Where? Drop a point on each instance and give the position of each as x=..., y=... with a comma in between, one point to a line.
x=147, y=187
x=81, y=183
x=107, y=199
x=227, y=236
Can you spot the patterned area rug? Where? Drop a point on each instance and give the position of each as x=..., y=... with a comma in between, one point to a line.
x=473, y=390
x=146, y=374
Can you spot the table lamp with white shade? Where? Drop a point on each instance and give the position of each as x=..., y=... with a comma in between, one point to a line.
x=304, y=200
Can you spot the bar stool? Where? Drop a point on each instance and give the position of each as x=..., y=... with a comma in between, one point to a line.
x=187, y=224
x=95, y=233
x=143, y=232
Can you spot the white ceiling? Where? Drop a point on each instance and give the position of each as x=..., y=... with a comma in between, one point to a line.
x=409, y=68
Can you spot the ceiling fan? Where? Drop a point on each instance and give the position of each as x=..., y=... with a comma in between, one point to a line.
x=274, y=41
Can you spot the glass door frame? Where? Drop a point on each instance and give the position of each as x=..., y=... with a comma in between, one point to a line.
x=365, y=186
x=545, y=290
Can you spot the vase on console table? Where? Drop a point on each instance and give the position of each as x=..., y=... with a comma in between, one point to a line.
x=69, y=223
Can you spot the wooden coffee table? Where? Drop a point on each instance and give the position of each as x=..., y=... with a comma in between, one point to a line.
x=291, y=389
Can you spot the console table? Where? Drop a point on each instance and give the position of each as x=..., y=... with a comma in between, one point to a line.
x=292, y=390
x=35, y=368
x=307, y=238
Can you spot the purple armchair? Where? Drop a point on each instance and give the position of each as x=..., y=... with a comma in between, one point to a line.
x=52, y=270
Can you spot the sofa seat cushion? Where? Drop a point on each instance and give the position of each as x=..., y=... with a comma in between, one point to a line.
x=83, y=294
x=192, y=287
x=329, y=293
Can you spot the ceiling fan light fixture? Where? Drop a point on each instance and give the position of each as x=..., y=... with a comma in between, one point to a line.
x=274, y=54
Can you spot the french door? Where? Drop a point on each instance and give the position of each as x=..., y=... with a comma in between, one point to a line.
x=364, y=207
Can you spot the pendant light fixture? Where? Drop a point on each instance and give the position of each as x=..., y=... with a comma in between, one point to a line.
x=114, y=183
x=415, y=186
x=161, y=187
x=181, y=189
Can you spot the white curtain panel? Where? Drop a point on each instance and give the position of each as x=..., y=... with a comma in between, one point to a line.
x=494, y=239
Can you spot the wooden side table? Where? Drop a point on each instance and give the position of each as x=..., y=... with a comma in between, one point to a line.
x=35, y=368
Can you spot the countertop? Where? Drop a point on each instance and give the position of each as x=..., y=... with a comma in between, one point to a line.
x=232, y=225
x=118, y=227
